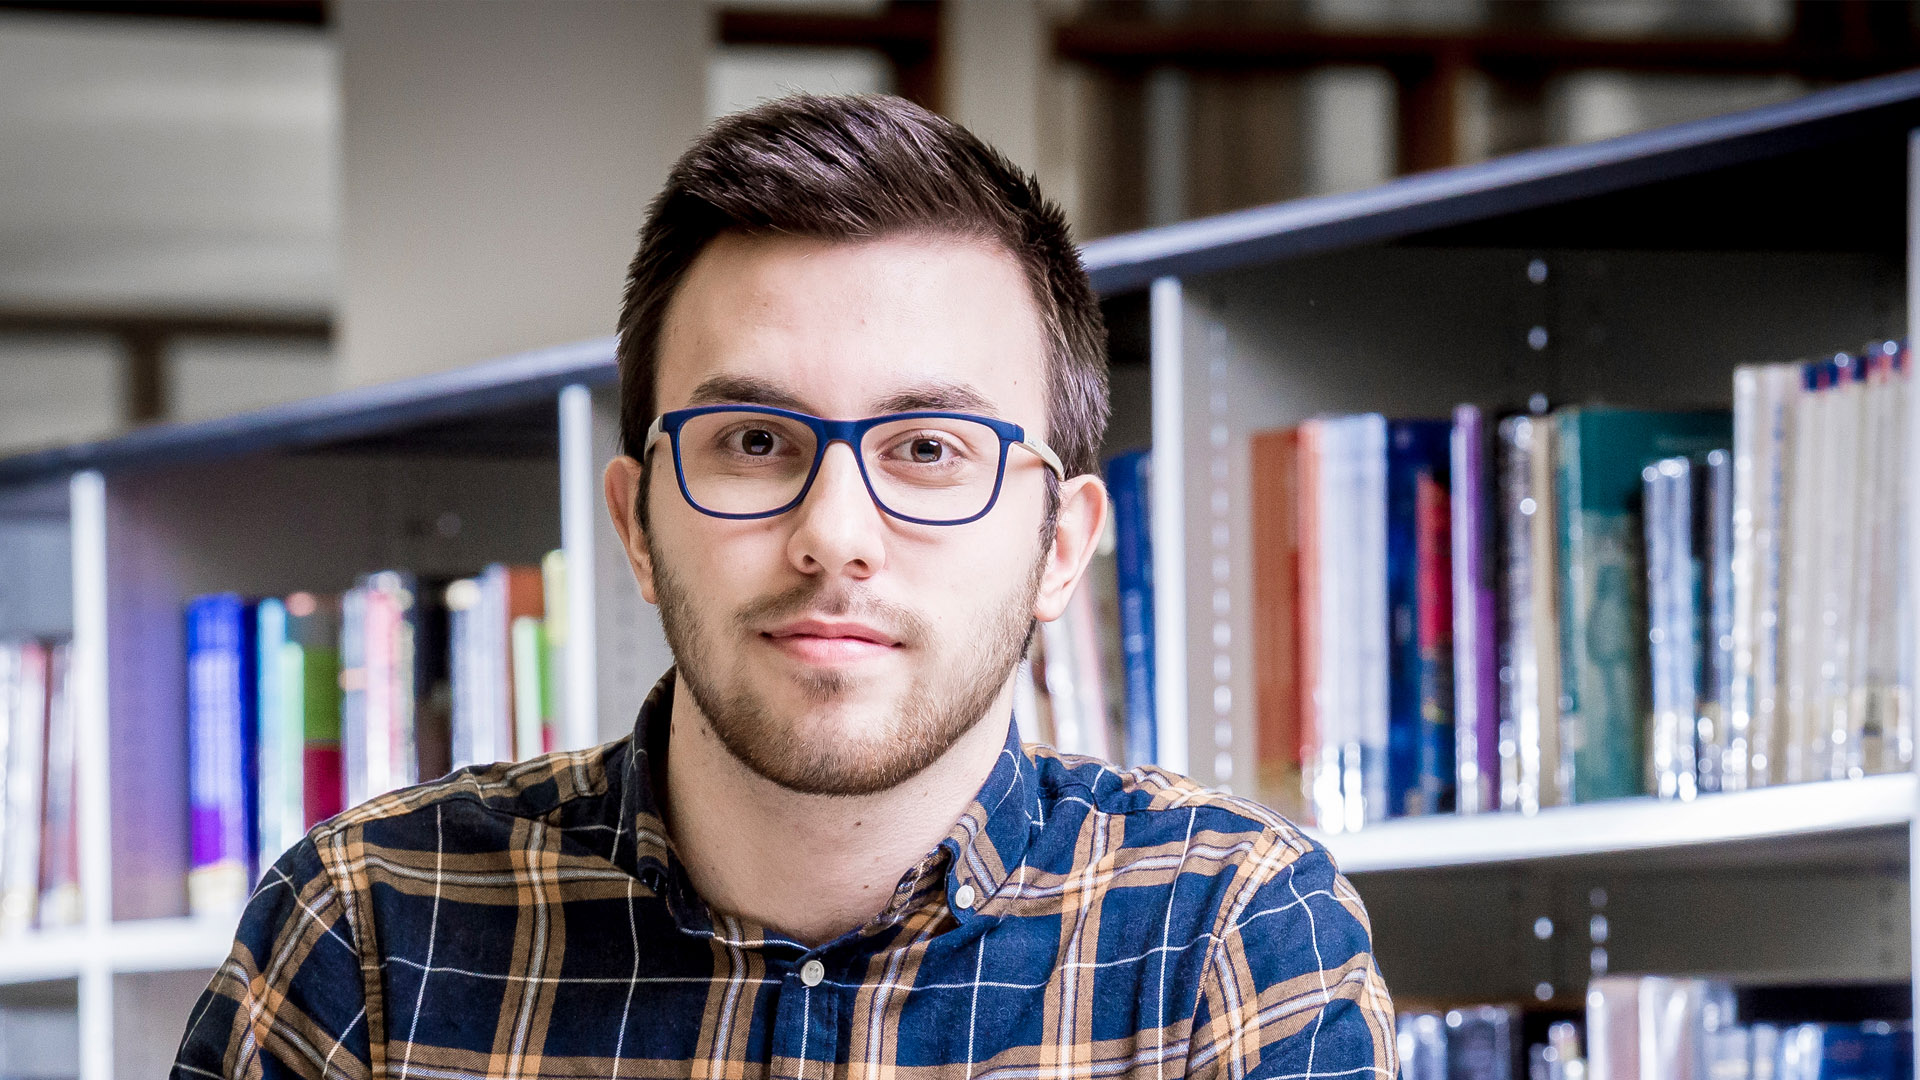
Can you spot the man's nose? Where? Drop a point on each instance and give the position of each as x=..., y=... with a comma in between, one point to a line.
x=838, y=526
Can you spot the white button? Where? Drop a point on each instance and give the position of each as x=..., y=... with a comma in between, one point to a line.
x=963, y=896
x=812, y=972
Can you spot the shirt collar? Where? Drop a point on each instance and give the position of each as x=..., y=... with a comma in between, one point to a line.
x=983, y=850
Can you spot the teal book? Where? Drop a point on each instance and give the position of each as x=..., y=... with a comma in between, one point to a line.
x=1606, y=696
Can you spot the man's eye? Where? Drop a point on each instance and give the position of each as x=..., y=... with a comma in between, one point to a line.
x=758, y=442
x=926, y=451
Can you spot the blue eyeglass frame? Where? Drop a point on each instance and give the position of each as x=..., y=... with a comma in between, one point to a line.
x=827, y=432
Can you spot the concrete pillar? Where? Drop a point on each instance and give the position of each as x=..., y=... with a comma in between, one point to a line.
x=497, y=159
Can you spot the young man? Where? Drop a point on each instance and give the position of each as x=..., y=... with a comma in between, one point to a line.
x=863, y=387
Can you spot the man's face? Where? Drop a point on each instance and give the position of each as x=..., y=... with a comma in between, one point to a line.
x=835, y=649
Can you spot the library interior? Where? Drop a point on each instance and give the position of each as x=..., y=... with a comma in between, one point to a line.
x=308, y=380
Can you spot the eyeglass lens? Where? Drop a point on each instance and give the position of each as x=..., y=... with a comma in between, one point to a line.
x=930, y=468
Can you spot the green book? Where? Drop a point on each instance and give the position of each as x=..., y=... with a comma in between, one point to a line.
x=1606, y=698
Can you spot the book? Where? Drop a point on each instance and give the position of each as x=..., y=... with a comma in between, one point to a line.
x=353, y=696
x=1129, y=482
x=1484, y=1043
x=1420, y=758
x=60, y=828
x=1476, y=636
x=1421, y=1039
x=532, y=727
x=1319, y=756
x=1713, y=554
x=1764, y=416
x=1672, y=577
x=25, y=765
x=1274, y=465
x=1355, y=667
x=311, y=675
x=1646, y=1027
x=553, y=639
x=279, y=819
x=1599, y=455
x=220, y=732
x=1529, y=710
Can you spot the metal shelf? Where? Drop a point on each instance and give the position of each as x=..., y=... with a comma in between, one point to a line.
x=1628, y=826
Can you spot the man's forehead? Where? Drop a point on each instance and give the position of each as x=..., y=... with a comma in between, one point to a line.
x=908, y=395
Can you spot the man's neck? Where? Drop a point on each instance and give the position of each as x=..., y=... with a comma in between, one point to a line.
x=810, y=866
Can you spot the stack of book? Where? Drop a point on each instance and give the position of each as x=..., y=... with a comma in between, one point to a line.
x=1665, y=1028
x=39, y=834
x=1482, y=1042
x=299, y=706
x=1560, y=607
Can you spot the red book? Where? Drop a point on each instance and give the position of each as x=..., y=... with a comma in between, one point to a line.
x=1275, y=505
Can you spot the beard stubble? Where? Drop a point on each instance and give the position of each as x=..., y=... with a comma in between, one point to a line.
x=953, y=687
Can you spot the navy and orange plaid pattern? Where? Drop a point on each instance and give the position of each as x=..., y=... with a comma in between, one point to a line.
x=531, y=921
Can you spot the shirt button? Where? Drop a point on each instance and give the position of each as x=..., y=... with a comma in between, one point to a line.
x=812, y=972
x=963, y=896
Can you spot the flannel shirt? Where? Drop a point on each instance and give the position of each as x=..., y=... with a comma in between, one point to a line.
x=532, y=921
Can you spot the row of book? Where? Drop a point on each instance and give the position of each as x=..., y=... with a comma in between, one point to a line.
x=1507, y=613
x=39, y=829
x=1648, y=1027
x=302, y=705
x=1088, y=686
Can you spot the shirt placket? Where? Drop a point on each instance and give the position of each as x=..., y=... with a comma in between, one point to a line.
x=806, y=1019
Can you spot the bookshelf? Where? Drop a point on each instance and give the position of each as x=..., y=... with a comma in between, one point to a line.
x=1640, y=269
x=1637, y=271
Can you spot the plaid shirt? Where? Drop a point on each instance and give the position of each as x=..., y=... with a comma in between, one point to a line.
x=532, y=920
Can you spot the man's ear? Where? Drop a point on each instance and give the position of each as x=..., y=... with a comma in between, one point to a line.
x=621, y=482
x=1076, y=533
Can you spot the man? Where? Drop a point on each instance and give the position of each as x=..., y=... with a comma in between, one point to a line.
x=863, y=387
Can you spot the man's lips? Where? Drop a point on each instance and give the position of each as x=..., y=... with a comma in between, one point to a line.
x=829, y=641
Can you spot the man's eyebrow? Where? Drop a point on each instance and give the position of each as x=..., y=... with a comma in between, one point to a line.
x=743, y=390
x=937, y=397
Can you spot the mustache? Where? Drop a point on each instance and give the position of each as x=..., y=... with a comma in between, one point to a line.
x=834, y=601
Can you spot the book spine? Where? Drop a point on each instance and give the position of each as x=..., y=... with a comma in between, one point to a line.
x=1127, y=478
x=1669, y=621
x=217, y=688
x=466, y=729
x=60, y=855
x=1713, y=516
x=1476, y=663
x=1083, y=631
x=1338, y=694
x=1319, y=772
x=553, y=633
x=382, y=633
x=527, y=727
x=1519, y=740
x=1800, y=654
x=272, y=779
x=1404, y=469
x=1437, y=765
x=313, y=684
x=353, y=696
x=1365, y=760
x=1274, y=467
x=26, y=761
x=1841, y=751
x=1556, y=758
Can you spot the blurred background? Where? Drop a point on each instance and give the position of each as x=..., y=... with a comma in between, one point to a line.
x=211, y=206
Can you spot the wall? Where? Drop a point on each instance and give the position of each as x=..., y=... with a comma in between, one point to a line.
x=497, y=160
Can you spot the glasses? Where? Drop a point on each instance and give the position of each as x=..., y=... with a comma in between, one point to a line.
x=929, y=468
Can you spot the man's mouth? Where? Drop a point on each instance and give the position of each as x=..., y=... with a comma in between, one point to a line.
x=830, y=641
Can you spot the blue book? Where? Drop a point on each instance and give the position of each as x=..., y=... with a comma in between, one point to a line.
x=1420, y=751
x=1870, y=1051
x=221, y=726
x=1128, y=483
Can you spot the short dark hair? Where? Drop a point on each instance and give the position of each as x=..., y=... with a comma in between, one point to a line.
x=859, y=168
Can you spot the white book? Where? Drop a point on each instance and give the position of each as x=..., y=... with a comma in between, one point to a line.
x=1764, y=409
x=26, y=762
x=1799, y=646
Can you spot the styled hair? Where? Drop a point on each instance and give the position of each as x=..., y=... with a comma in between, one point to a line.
x=860, y=168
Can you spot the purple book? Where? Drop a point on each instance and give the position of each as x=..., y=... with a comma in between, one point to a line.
x=1476, y=684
